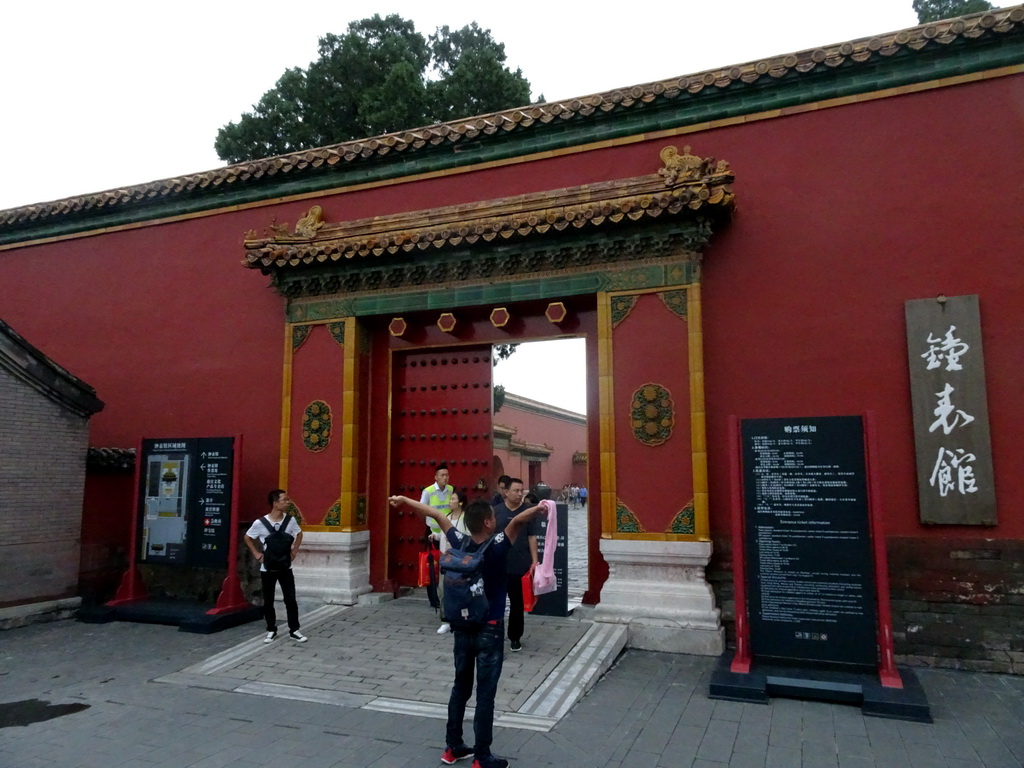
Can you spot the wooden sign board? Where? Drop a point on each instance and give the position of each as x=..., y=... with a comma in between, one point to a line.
x=951, y=429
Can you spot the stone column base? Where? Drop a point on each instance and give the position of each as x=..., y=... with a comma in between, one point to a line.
x=659, y=590
x=333, y=567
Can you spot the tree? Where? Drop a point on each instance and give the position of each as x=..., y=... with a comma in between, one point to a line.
x=380, y=76
x=934, y=10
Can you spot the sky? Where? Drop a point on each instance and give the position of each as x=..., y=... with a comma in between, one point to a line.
x=106, y=94
x=553, y=372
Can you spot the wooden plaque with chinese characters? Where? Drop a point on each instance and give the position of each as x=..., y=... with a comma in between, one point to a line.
x=951, y=431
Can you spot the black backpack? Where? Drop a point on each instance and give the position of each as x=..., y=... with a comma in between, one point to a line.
x=277, y=547
x=465, y=605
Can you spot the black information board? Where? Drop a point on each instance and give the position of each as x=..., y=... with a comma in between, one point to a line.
x=185, y=501
x=810, y=566
x=556, y=603
x=212, y=527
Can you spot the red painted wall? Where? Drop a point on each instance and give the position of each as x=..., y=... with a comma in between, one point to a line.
x=843, y=214
x=651, y=346
x=314, y=477
x=175, y=336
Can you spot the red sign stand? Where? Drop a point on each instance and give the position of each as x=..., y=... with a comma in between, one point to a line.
x=231, y=597
x=132, y=589
x=887, y=671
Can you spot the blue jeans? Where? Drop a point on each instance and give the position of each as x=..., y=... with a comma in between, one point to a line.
x=484, y=650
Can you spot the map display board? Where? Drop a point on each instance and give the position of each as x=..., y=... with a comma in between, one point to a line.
x=185, y=504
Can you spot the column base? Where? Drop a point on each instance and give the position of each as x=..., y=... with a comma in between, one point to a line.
x=333, y=567
x=659, y=590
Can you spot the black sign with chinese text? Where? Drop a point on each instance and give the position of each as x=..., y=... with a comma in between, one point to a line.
x=810, y=565
x=556, y=603
x=212, y=521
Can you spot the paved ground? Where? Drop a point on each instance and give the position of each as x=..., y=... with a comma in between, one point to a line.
x=649, y=710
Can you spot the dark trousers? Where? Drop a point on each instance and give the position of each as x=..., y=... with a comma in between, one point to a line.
x=270, y=579
x=484, y=650
x=514, y=586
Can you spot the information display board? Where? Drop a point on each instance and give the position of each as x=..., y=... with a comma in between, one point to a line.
x=185, y=504
x=556, y=603
x=810, y=566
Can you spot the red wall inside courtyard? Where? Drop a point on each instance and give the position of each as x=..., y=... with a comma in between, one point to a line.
x=565, y=437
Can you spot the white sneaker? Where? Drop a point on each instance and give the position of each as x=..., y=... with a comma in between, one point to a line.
x=271, y=636
x=444, y=629
x=297, y=636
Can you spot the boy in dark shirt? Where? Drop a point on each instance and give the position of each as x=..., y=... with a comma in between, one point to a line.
x=483, y=649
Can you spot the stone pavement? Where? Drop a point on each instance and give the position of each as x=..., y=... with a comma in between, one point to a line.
x=648, y=710
x=389, y=657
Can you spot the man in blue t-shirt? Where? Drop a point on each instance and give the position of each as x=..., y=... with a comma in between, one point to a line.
x=484, y=649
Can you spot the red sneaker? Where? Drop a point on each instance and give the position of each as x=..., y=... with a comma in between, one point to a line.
x=453, y=754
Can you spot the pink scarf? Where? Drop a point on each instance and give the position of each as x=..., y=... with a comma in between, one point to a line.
x=544, y=580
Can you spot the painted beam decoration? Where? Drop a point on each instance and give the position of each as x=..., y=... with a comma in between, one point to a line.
x=951, y=429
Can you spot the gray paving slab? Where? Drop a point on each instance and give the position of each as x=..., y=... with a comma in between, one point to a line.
x=648, y=709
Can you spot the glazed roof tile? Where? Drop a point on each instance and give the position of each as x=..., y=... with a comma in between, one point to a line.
x=686, y=184
x=854, y=52
x=26, y=363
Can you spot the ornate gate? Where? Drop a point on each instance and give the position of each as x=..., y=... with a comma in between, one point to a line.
x=440, y=413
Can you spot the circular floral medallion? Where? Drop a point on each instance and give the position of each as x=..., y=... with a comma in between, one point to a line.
x=652, y=414
x=316, y=426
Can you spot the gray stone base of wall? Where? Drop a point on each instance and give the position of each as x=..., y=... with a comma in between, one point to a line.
x=35, y=613
x=957, y=603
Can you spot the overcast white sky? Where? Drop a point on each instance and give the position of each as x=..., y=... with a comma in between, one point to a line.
x=111, y=93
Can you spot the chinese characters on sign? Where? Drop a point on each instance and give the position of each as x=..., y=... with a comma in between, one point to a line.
x=951, y=431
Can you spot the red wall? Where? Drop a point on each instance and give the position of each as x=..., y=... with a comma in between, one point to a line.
x=843, y=214
x=564, y=436
x=177, y=338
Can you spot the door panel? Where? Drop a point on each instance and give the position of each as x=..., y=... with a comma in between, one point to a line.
x=440, y=412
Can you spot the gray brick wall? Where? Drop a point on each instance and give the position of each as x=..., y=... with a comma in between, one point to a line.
x=42, y=474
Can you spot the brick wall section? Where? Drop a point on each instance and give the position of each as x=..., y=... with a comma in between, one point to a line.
x=956, y=603
x=42, y=473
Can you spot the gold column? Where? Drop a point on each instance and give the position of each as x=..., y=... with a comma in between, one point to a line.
x=698, y=425
x=349, y=494
x=605, y=412
x=286, y=405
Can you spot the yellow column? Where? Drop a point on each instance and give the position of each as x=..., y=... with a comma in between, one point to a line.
x=286, y=406
x=698, y=426
x=605, y=414
x=350, y=406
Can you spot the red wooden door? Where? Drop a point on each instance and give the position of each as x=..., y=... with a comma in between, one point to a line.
x=440, y=413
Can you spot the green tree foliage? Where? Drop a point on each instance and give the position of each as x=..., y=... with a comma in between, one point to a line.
x=933, y=10
x=380, y=76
